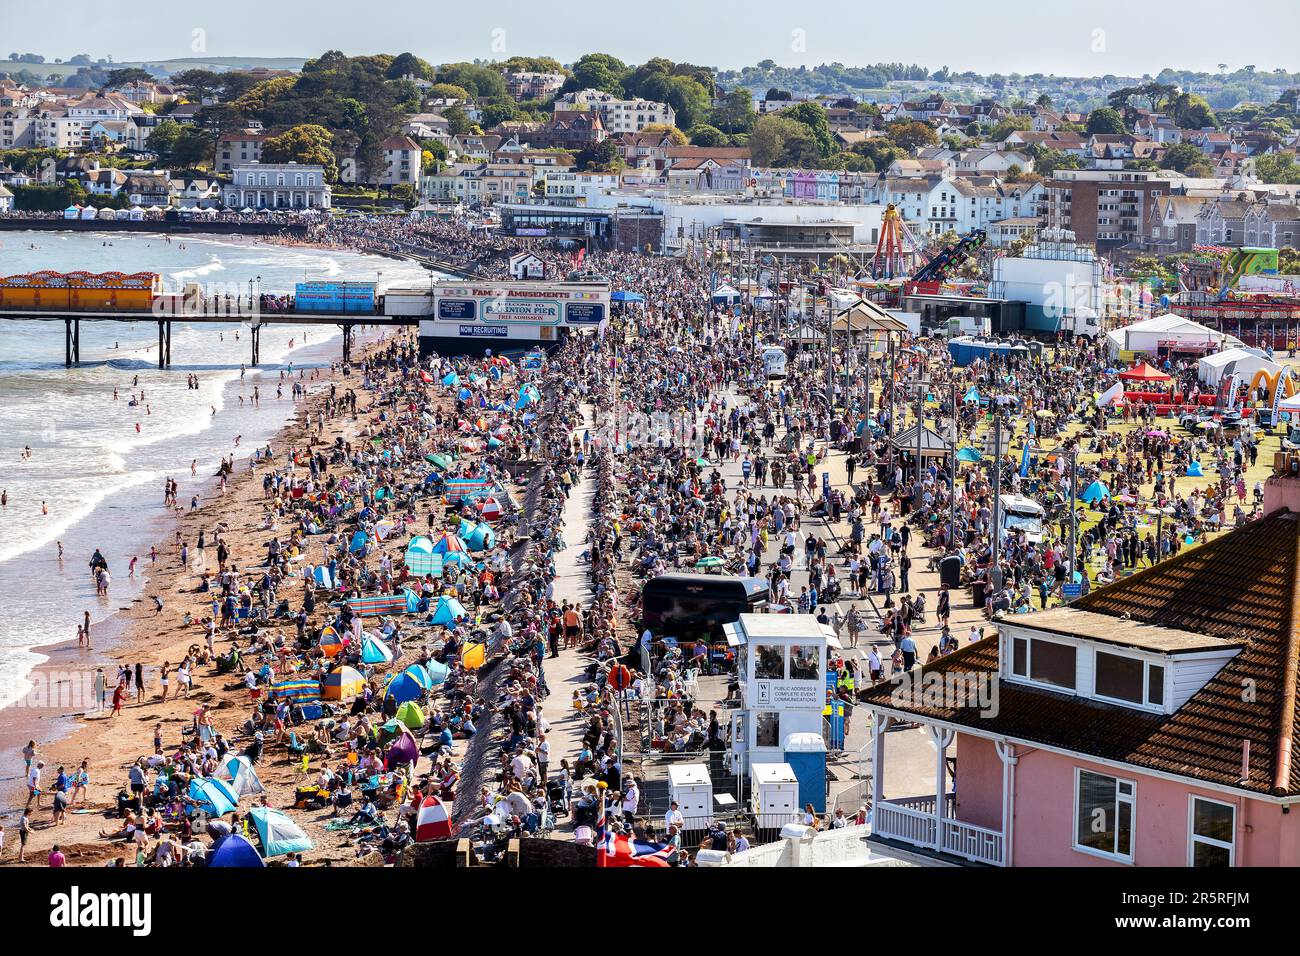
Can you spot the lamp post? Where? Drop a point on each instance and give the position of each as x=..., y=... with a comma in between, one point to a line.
x=922, y=390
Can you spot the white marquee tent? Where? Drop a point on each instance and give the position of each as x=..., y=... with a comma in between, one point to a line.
x=1149, y=335
x=1240, y=361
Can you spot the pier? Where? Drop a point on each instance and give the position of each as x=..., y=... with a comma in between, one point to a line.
x=72, y=319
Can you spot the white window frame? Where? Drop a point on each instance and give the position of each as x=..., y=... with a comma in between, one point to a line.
x=1144, y=703
x=1029, y=654
x=1131, y=800
x=1192, y=836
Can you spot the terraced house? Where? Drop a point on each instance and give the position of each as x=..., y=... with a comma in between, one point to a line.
x=1151, y=722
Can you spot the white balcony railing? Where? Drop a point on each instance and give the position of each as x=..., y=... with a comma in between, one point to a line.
x=913, y=820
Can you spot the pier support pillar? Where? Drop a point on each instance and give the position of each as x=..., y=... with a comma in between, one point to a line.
x=256, y=337
x=347, y=343
x=164, y=343
x=71, y=342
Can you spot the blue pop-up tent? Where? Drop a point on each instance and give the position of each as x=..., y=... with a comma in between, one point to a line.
x=375, y=651
x=359, y=540
x=1095, y=492
x=447, y=611
x=214, y=797
x=451, y=378
x=1194, y=470
x=404, y=687
x=279, y=835
x=420, y=674
x=236, y=851
x=437, y=672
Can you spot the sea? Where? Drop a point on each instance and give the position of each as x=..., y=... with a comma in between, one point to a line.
x=84, y=469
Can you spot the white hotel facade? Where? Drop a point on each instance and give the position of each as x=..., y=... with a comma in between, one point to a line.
x=277, y=186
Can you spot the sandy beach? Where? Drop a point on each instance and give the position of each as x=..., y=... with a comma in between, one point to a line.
x=138, y=633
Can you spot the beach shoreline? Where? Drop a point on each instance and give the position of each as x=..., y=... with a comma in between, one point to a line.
x=134, y=633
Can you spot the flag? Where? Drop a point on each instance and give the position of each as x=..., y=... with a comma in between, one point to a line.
x=618, y=849
x=601, y=828
x=1024, y=461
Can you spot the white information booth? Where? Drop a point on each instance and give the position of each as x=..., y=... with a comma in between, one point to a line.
x=692, y=787
x=775, y=794
x=782, y=669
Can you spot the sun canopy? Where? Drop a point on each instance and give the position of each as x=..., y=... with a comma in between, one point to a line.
x=1143, y=372
x=1095, y=492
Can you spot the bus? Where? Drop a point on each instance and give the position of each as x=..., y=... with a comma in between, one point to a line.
x=688, y=607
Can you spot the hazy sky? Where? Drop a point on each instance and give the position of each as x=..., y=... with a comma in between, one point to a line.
x=1066, y=37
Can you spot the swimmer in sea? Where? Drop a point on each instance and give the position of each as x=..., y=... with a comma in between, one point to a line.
x=60, y=547
x=44, y=508
x=214, y=409
x=4, y=498
x=194, y=467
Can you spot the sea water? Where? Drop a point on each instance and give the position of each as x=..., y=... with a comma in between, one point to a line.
x=97, y=466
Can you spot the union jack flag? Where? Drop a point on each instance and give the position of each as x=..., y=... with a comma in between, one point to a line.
x=616, y=849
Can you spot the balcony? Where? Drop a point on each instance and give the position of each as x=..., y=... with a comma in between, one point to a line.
x=914, y=820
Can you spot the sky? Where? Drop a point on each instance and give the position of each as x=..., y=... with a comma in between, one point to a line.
x=1064, y=37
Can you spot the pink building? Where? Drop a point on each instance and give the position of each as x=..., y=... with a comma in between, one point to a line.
x=1150, y=723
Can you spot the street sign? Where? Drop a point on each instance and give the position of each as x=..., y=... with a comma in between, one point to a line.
x=1071, y=591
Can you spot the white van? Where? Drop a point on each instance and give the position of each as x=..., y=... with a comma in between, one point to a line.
x=1020, y=513
x=774, y=361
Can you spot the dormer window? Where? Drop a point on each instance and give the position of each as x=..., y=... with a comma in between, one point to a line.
x=1130, y=680
x=1044, y=662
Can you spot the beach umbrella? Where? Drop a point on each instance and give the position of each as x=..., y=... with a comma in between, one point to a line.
x=438, y=461
x=343, y=682
x=1126, y=499
x=238, y=771
x=404, y=687
x=968, y=454
x=448, y=610
x=330, y=643
x=433, y=822
x=403, y=750
x=710, y=561
x=375, y=651
x=420, y=674
x=279, y=834
x=214, y=797
x=236, y=851
x=1209, y=426
x=411, y=715
x=1095, y=492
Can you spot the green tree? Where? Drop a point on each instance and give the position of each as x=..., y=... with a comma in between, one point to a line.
x=780, y=140
x=910, y=134
x=735, y=114
x=702, y=134
x=458, y=123
x=494, y=113
x=597, y=71
x=1180, y=156
x=689, y=99
x=448, y=91
x=305, y=144
x=602, y=157
x=1106, y=120
x=408, y=64
x=199, y=84
x=813, y=116
x=1278, y=168
x=482, y=81
x=129, y=74
x=1005, y=127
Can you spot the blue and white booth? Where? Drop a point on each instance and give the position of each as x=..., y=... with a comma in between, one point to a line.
x=782, y=663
